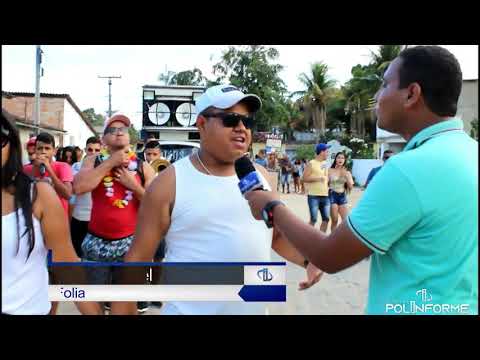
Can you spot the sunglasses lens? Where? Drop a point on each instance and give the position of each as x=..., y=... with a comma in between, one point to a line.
x=248, y=122
x=232, y=120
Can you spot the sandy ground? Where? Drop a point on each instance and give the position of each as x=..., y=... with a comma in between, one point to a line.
x=344, y=293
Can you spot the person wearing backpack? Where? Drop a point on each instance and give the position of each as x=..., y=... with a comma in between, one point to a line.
x=117, y=180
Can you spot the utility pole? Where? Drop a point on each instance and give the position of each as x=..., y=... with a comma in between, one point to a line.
x=109, y=91
x=38, y=61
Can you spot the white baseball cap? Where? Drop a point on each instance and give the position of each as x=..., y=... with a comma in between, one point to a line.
x=225, y=96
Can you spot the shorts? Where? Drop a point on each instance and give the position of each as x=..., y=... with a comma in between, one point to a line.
x=338, y=198
x=316, y=203
x=100, y=250
x=296, y=175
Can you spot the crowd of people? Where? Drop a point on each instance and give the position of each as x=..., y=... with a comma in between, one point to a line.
x=110, y=206
x=326, y=188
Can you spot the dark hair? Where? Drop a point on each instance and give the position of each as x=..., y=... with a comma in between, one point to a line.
x=70, y=149
x=437, y=72
x=93, y=140
x=14, y=179
x=46, y=138
x=208, y=110
x=58, y=154
x=152, y=145
x=335, y=160
x=386, y=152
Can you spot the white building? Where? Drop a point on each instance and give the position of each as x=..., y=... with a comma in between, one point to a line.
x=468, y=103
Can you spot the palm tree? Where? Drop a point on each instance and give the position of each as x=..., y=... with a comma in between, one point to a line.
x=319, y=89
x=384, y=56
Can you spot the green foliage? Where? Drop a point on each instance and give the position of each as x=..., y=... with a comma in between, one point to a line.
x=366, y=79
x=189, y=77
x=253, y=70
x=95, y=119
x=360, y=148
x=134, y=135
x=305, y=152
x=319, y=91
x=474, y=130
x=337, y=118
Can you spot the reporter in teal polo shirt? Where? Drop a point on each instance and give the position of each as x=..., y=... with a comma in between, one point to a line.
x=418, y=217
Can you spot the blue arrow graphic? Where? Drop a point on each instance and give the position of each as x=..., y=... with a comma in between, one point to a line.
x=250, y=293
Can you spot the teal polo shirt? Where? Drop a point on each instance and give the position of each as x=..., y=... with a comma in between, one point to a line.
x=419, y=216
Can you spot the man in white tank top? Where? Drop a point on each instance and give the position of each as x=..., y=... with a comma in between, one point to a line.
x=197, y=207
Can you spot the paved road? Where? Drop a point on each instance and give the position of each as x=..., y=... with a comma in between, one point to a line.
x=344, y=293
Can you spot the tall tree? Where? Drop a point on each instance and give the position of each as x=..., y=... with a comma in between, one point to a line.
x=319, y=89
x=337, y=118
x=188, y=77
x=384, y=56
x=94, y=118
x=360, y=90
x=253, y=69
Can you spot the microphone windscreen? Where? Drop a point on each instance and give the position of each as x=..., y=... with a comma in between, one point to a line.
x=243, y=167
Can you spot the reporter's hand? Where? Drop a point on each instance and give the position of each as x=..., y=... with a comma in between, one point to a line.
x=314, y=275
x=257, y=201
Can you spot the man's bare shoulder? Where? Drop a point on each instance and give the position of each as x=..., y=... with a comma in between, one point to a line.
x=164, y=182
x=265, y=174
x=88, y=162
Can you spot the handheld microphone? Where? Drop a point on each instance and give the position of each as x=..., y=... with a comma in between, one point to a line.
x=249, y=178
x=251, y=181
x=42, y=168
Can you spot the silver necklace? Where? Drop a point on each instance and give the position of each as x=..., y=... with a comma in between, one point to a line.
x=201, y=163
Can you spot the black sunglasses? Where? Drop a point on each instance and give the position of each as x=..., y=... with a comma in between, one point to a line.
x=114, y=130
x=231, y=120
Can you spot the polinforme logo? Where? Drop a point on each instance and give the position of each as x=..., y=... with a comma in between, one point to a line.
x=426, y=306
x=264, y=275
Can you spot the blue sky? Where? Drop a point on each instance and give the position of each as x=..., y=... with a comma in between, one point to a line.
x=73, y=69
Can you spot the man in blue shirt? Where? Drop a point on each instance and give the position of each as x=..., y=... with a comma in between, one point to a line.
x=260, y=158
x=386, y=155
x=419, y=215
